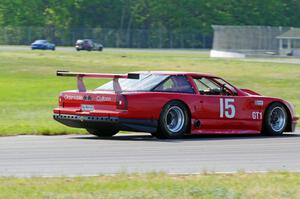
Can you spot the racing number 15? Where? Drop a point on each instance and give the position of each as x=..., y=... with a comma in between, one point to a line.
x=227, y=108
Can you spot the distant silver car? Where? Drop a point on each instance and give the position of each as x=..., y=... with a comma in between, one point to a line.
x=88, y=44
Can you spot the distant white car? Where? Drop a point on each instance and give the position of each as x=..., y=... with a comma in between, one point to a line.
x=88, y=44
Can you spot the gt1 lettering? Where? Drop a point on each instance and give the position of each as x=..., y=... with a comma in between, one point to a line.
x=227, y=108
x=257, y=115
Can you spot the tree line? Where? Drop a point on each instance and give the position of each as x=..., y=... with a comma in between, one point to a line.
x=148, y=14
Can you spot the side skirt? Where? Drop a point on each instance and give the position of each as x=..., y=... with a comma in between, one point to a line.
x=225, y=132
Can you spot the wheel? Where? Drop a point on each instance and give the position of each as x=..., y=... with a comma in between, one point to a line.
x=77, y=49
x=53, y=49
x=174, y=121
x=100, y=49
x=103, y=132
x=275, y=119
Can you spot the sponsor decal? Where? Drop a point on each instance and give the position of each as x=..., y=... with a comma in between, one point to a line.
x=73, y=97
x=103, y=99
x=259, y=102
x=87, y=97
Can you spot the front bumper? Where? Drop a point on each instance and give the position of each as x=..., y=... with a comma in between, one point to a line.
x=38, y=48
x=96, y=122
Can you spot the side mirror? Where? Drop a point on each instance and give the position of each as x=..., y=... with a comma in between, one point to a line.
x=216, y=91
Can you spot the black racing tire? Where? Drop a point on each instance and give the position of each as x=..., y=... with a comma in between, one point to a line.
x=174, y=121
x=103, y=133
x=275, y=120
x=100, y=49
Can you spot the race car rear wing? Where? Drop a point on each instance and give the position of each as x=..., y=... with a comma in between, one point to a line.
x=80, y=84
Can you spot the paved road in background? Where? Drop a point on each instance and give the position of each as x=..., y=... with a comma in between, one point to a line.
x=125, y=50
x=73, y=155
x=158, y=51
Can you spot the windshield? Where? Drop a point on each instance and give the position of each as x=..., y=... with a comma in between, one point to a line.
x=146, y=82
x=40, y=41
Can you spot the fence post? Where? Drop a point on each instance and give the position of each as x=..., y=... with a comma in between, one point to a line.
x=29, y=34
x=160, y=38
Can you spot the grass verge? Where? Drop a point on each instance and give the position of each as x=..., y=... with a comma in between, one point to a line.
x=156, y=185
x=29, y=87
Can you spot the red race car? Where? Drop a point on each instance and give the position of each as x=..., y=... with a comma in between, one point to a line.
x=170, y=105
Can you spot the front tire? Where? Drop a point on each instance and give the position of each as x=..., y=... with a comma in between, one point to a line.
x=275, y=120
x=103, y=133
x=174, y=121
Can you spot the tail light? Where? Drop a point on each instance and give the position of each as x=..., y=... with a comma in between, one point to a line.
x=121, y=102
x=60, y=101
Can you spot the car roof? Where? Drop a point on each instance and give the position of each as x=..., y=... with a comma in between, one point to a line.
x=40, y=40
x=83, y=40
x=195, y=74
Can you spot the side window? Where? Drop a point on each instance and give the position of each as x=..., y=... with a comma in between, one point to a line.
x=214, y=86
x=175, y=84
x=207, y=86
x=227, y=88
x=166, y=86
x=200, y=85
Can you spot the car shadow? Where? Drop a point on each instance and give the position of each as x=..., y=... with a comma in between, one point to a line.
x=146, y=137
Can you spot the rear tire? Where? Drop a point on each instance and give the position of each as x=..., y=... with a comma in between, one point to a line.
x=275, y=120
x=103, y=133
x=174, y=121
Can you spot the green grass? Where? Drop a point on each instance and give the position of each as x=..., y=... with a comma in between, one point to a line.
x=29, y=87
x=156, y=185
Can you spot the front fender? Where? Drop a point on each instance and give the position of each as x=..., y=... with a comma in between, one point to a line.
x=292, y=118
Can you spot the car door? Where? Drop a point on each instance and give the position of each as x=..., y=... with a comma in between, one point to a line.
x=224, y=111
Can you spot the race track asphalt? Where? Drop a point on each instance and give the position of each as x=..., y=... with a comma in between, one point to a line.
x=72, y=155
